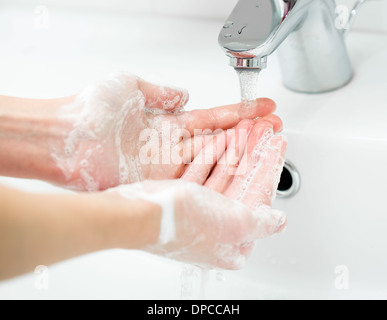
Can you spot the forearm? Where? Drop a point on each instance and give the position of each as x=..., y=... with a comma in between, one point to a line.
x=34, y=107
x=45, y=229
x=27, y=129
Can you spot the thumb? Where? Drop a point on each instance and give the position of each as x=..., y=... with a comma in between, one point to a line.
x=164, y=98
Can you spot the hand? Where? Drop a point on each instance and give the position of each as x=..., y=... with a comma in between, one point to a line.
x=216, y=223
x=126, y=130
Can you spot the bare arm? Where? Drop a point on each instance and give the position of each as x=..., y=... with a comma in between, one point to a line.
x=178, y=219
x=27, y=127
x=92, y=142
x=45, y=229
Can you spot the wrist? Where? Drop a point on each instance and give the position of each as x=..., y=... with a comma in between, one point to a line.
x=128, y=224
x=84, y=149
x=25, y=146
x=27, y=129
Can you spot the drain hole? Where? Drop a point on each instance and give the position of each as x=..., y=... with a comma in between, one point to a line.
x=286, y=182
x=290, y=182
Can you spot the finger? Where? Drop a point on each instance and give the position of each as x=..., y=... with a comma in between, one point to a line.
x=199, y=170
x=265, y=178
x=261, y=181
x=259, y=137
x=268, y=174
x=245, y=225
x=225, y=117
x=228, y=164
x=258, y=224
x=268, y=222
x=275, y=121
x=164, y=98
x=192, y=147
x=229, y=257
x=256, y=187
x=247, y=248
x=234, y=257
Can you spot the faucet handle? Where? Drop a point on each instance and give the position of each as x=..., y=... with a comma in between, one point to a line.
x=353, y=14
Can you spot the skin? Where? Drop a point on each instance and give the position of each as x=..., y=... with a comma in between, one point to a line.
x=45, y=229
x=27, y=130
x=219, y=230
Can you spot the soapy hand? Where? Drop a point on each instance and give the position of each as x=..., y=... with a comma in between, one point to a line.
x=213, y=215
x=125, y=130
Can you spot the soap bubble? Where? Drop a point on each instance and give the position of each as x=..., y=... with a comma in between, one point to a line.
x=84, y=163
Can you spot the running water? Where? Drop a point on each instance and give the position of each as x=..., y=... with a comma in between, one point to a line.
x=194, y=282
x=249, y=84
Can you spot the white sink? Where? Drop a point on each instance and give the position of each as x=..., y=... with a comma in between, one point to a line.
x=337, y=141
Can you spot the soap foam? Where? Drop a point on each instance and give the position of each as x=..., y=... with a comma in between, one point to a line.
x=165, y=200
x=107, y=119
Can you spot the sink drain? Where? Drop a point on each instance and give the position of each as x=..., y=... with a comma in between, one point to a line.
x=290, y=182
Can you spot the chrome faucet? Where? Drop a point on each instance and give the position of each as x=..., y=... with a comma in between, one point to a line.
x=311, y=47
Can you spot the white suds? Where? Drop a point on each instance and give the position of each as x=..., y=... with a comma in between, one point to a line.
x=107, y=120
x=165, y=199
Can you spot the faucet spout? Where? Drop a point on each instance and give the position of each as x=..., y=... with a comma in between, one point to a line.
x=312, y=50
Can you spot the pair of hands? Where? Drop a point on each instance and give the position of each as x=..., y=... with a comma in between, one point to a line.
x=126, y=131
x=219, y=209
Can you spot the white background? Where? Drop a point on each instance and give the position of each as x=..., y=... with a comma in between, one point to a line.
x=373, y=15
x=331, y=136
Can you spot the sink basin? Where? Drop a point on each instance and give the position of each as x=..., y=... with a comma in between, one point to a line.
x=335, y=242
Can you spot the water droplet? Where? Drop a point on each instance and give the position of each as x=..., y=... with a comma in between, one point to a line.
x=228, y=35
x=68, y=151
x=220, y=276
x=99, y=148
x=88, y=153
x=228, y=25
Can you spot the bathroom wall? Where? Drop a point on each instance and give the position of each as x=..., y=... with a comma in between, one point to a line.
x=373, y=16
